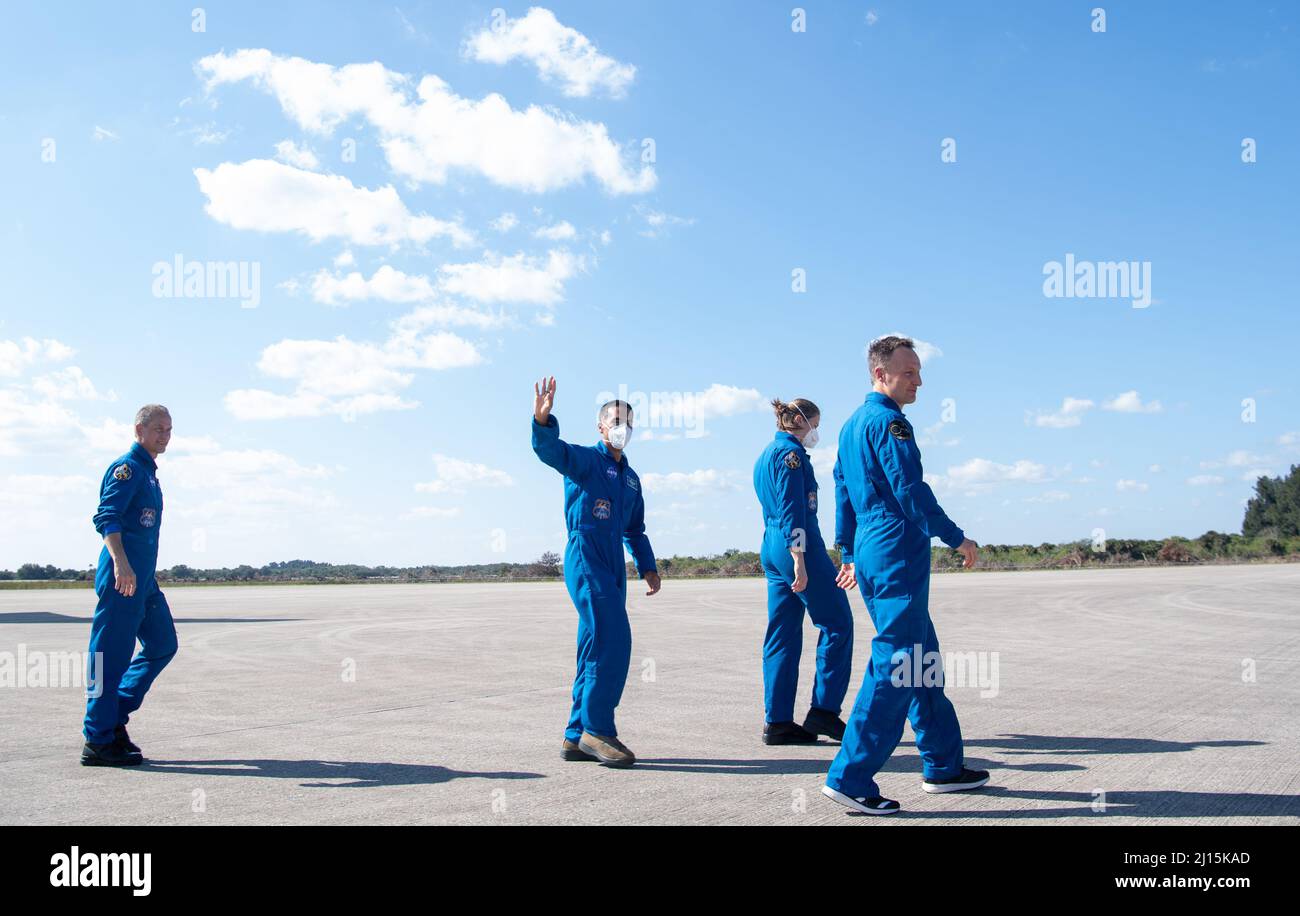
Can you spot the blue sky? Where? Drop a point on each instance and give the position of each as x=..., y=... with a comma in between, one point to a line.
x=373, y=407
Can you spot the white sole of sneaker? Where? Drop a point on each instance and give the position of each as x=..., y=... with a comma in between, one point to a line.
x=938, y=788
x=853, y=803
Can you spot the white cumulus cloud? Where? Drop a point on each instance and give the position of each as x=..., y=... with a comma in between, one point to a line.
x=705, y=480
x=515, y=278
x=347, y=378
x=426, y=130
x=455, y=475
x=1130, y=402
x=1070, y=414
x=561, y=54
x=270, y=196
x=295, y=155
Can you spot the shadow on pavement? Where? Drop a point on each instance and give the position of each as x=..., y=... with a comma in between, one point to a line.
x=49, y=617
x=362, y=775
x=1144, y=804
x=1055, y=744
x=775, y=766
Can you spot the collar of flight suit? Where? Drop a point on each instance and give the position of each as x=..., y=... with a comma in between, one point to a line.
x=885, y=399
x=786, y=434
x=141, y=454
x=604, y=450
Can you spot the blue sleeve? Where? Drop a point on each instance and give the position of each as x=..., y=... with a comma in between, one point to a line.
x=115, y=495
x=643, y=556
x=846, y=520
x=900, y=459
x=554, y=451
x=790, y=501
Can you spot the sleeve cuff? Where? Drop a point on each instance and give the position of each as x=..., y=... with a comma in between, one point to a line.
x=110, y=528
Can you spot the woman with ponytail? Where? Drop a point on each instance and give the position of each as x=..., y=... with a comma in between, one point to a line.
x=800, y=577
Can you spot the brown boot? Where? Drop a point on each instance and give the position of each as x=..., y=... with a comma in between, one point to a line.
x=609, y=751
x=570, y=751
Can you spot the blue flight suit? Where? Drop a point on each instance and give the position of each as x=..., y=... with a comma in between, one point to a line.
x=130, y=502
x=884, y=519
x=787, y=491
x=603, y=510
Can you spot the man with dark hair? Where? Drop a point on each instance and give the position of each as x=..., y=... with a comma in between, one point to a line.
x=885, y=517
x=604, y=512
x=131, y=606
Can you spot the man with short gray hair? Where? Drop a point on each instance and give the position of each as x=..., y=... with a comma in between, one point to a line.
x=885, y=516
x=131, y=606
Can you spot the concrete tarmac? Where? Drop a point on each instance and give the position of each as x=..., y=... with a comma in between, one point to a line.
x=1130, y=696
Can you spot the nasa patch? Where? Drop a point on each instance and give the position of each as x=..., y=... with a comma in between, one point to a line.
x=611, y=472
x=601, y=509
x=792, y=460
x=900, y=430
x=122, y=472
x=812, y=500
x=148, y=517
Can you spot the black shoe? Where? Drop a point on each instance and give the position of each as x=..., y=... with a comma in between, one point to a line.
x=875, y=804
x=787, y=733
x=967, y=779
x=123, y=740
x=824, y=722
x=108, y=755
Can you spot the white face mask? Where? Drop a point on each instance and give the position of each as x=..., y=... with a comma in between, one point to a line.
x=618, y=436
x=810, y=438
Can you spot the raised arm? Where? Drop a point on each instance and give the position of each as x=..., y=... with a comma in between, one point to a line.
x=548, y=445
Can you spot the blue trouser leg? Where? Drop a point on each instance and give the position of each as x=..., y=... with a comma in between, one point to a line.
x=934, y=721
x=896, y=587
x=828, y=608
x=604, y=648
x=157, y=636
x=782, y=646
x=783, y=641
x=113, y=631
x=586, y=642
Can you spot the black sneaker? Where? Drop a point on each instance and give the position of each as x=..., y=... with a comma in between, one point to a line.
x=875, y=804
x=108, y=755
x=967, y=779
x=824, y=722
x=787, y=733
x=123, y=740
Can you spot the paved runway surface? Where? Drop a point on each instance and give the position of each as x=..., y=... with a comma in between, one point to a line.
x=1119, y=697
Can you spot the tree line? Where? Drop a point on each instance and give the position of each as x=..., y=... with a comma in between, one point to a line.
x=1270, y=531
